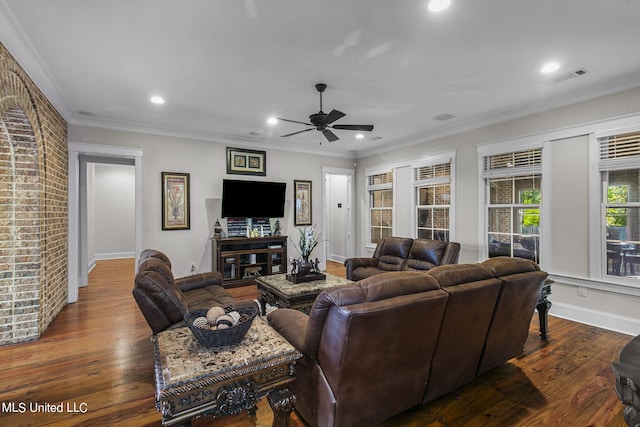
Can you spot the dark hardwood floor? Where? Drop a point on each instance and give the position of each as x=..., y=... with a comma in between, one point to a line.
x=95, y=363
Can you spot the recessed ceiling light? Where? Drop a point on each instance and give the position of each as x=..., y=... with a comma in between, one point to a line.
x=550, y=67
x=272, y=120
x=438, y=5
x=157, y=100
x=359, y=136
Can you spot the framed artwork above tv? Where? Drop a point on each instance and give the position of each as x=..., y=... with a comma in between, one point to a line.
x=246, y=162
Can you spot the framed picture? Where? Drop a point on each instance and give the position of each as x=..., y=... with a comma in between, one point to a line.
x=302, y=207
x=246, y=162
x=175, y=201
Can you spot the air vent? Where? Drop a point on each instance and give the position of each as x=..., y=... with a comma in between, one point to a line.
x=566, y=76
x=443, y=117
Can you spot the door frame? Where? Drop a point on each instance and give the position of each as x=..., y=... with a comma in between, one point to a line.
x=77, y=269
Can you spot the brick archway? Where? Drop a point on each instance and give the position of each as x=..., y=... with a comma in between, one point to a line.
x=20, y=228
x=33, y=207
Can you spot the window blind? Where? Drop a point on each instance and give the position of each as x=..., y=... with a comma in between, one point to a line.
x=381, y=180
x=432, y=173
x=619, y=151
x=514, y=163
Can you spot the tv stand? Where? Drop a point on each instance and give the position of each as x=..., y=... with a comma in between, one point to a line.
x=241, y=259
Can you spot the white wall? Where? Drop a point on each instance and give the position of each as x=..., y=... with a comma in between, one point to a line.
x=566, y=192
x=205, y=161
x=113, y=219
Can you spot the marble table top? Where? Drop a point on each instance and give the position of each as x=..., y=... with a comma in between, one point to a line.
x=181, y=359
x=280, y=283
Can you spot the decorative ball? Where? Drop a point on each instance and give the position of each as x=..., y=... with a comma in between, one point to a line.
x=235, y=316
x=225, y=321
x=213, y=314
x=201, y=322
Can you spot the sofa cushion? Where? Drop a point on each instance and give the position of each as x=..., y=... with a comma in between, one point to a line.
x=392, y=253
x=425, y=254
x=208, y=297
x=455, y=274
x=170, y=300
x=504, y=266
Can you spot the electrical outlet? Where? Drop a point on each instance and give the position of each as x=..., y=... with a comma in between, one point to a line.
x=582, y=291
x=194, y=270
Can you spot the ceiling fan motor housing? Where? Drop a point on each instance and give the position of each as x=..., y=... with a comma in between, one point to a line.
x=317, y=119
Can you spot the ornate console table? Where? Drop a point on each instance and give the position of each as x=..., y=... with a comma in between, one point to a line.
x=192, y=380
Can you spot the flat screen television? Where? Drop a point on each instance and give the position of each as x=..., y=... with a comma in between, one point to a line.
x=252, y=199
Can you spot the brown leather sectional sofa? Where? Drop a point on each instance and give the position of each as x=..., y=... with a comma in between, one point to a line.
x=164, y=300
x=403, y=254
x=396, y=340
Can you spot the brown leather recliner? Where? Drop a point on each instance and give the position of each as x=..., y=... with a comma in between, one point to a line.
x=164, y=300
x=403, y=254
x=367, y=348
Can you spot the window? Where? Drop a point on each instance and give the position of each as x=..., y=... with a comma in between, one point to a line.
x=380, y=188
x=433, y=201
x=513, y=197
x=619, y=166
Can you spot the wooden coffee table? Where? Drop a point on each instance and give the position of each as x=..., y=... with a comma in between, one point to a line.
x=276, y=290
x=192, y=380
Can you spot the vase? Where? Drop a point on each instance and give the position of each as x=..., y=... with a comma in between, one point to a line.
x=304, y=267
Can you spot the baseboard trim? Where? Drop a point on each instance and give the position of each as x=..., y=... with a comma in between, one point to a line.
x=600, y=319
x=115, y=255
x=337, y=258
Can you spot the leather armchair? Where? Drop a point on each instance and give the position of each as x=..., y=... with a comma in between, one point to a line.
x=164, y=300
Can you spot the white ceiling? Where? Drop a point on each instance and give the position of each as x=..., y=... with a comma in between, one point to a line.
x=225, y=66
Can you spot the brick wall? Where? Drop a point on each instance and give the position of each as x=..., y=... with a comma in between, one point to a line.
x=33, y=207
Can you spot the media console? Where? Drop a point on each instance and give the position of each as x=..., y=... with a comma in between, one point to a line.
x=241, y=259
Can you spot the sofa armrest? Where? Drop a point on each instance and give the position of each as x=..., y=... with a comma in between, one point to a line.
x=292, y=325
x=353, y=263
x=201, y=280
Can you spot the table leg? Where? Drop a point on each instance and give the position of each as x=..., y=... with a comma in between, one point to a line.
x=543, y=309
x=263, y=305
x=281, y=401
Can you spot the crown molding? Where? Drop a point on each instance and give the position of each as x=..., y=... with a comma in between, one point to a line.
x=19, y=46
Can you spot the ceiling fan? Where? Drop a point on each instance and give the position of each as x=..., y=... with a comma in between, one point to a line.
x=323, y=122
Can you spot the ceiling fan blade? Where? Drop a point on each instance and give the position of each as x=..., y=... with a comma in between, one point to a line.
x=295, y=133
x=333, y=116
x=295, y=121
x=330, y=135
x=354, y=127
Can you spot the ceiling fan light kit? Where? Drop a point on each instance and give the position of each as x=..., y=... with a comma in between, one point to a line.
x=322, y=121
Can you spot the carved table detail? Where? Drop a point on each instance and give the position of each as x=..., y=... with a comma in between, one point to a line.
x=193, y=381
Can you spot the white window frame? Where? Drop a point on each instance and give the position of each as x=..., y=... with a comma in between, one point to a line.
x=598, y=187
x=433, y=161
x=505, y=147
x=387, y=186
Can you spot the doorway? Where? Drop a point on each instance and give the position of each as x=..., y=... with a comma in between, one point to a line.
x=338, y=218
x=80, y=156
